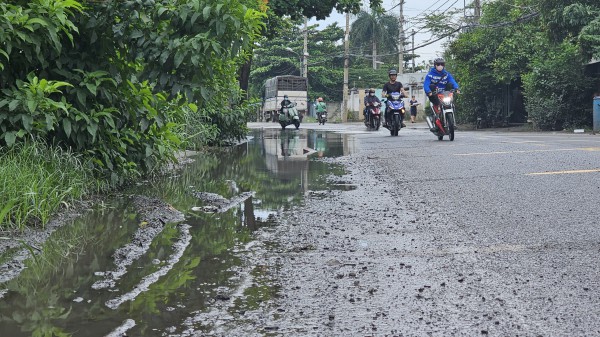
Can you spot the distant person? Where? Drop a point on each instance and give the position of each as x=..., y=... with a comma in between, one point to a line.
x=388, y=89
x=413, y=108
x=321, y=106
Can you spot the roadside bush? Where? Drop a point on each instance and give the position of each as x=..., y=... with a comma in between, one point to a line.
x=555, y=87
x=122, y=142
x=36, y=180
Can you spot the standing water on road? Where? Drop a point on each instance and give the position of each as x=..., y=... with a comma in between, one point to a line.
x=151, y=260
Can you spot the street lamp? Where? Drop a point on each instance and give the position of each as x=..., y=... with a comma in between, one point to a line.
x=299, y=57
x=303, y=61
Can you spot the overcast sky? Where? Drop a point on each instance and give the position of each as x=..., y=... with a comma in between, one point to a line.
x=413, y=13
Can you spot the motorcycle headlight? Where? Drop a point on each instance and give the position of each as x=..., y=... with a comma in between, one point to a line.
x=395, y=96
x=447, y=100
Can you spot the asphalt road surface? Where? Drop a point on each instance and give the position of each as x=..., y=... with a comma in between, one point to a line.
x=494, y=234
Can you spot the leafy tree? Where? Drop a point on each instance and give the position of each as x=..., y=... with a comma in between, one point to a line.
x=319, y=9
x=115, y=81
x=375, y=32
x=554, y=87
x=538, y=57
x=325, y=63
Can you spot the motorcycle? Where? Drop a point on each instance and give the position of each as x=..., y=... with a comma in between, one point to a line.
x=396, y=112
x=443, y=123
x=373, y=116
x=322, y=117
x=288, y=115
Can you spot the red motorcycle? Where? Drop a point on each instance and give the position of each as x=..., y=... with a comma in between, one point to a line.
x=373, y=116
x=442, y=122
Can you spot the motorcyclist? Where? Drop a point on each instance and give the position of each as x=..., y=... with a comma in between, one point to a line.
x=321, y=107
x=286, y=101
x=388, y=89
x=438, y=78
x=370, y=100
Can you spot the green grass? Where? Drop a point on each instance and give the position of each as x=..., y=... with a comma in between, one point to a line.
x=36, y=180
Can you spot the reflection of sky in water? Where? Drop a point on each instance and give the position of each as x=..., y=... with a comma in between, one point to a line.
x=263, y=213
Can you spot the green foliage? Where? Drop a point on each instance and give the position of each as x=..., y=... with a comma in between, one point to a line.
x=30, y=109
x=320, y=9
x=112, y=81
x=325, y=64
x=36, y=180
x=554, y=86
x=589, y=38
x=496, y=58
x=374, y=33
x=31, y=34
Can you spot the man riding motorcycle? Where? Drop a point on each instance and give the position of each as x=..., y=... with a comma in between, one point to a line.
x=438, y=78
x=388, y=89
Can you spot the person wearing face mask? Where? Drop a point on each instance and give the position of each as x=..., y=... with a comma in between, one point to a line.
x=370, y=100
x=438, y=79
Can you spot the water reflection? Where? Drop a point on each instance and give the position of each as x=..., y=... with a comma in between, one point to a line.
x=288, y=153
x=53, y=296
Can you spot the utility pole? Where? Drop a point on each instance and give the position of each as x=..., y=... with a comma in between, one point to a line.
x=413, y=50
x=401, y=39
x=305, y=51
x=346, y=66
x=477, y=11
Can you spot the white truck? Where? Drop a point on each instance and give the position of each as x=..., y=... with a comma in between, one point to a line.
x=295, y=87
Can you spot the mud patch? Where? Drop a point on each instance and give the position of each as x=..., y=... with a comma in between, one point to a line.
x=153, y=215
x=24, y=243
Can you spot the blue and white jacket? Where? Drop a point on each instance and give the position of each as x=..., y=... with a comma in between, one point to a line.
x=438, y=79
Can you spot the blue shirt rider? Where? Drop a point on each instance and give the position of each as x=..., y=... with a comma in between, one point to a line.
x=438, y=79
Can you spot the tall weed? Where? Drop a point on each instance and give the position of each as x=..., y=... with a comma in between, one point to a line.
x=36, y=180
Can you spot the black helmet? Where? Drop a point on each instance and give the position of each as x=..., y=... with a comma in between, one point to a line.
x=439, y=60
x=392, y=72
x=285, y=96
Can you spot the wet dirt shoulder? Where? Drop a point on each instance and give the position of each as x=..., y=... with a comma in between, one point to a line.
x=16, y=246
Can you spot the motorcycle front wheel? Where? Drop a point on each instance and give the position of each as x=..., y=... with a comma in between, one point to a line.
x=450, y=121
x=396, y=125
x=377, y=123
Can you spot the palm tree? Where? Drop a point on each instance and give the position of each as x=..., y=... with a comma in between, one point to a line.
x=375, y=31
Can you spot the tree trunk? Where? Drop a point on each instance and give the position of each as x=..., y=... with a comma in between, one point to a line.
x=244, y=77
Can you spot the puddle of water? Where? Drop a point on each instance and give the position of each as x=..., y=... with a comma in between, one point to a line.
x=53, y=296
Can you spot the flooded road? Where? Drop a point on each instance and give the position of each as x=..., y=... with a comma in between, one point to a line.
x=315, y=233
x=116, y=272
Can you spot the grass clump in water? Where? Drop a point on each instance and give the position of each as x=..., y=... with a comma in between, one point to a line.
x=35, y=180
